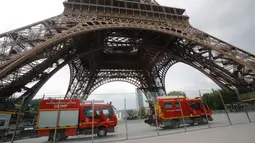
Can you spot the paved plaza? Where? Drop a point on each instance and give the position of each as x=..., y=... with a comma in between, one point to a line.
x=220, y=131
x=230, y=134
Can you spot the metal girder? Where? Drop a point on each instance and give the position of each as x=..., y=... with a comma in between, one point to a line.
x=37, y=71
x=138, y=46
x=223, y=76
x=15, y=43
x=78, y=80
x=31, y=92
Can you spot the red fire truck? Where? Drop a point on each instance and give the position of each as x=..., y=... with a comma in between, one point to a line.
x=72, y=117
x=169, y=114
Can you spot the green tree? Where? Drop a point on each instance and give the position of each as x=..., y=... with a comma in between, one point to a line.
x=175, y=93
x=214, y=101
x=34, y=104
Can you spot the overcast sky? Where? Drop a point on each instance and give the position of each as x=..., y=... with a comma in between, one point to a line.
x=230, y=20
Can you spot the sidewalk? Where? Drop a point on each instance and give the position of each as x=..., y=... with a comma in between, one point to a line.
x=243, y=133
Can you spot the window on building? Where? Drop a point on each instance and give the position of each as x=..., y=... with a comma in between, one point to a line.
x=169, y=105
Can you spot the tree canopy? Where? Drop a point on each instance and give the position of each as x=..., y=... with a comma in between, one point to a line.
x=213, y=98
x=214, y=101
x=34, y=104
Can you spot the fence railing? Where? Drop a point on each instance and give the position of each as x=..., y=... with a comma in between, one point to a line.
x=131, y=127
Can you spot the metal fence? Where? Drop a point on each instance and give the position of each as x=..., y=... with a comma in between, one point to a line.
x=132, y=125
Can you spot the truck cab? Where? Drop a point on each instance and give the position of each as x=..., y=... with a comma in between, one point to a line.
x=105, y=118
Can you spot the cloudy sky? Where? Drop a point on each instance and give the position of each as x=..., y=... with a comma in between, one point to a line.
x=230, y=20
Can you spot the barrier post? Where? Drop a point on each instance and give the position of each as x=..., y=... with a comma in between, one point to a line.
x=203, y=104
x=253, y=91
x=244, y=108
x=225, y=108
x=125, y=118
x=57, y=121
x=182, y=114
x=254, y=96
x=93, y=119
x=155, y=110
x=18, y=118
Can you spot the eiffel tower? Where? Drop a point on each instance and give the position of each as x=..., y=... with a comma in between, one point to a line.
x=134, y=41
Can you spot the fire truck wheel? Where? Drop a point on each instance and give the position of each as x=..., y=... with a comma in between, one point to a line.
x=58, y=136
x=65, y=137
x=175, y=124
x=102, y=132
x=203, y=121
x=17, y=137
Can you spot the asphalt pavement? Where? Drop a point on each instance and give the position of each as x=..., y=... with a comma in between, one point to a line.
x=137, y=129
x=229, y=134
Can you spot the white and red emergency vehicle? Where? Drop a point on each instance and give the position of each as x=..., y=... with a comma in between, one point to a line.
x=169, y=114
x=74, y=118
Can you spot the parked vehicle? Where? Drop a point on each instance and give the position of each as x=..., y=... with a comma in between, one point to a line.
x=169, y=113
x=73, y=118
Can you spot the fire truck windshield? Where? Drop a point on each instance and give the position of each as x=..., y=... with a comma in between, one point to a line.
x=108, y=111
x=88, y=111
x=114, y=110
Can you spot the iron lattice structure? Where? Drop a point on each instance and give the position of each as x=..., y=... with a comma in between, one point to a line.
x=136, y=41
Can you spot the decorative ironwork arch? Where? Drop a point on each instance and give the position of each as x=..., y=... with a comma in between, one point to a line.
x=186, y=31
x=96, y=86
